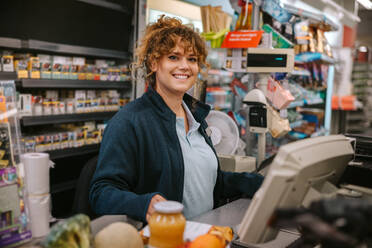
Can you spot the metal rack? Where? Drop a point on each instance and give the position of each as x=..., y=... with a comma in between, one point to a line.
x=28, y=121
x=38, y=45
x=72, y=84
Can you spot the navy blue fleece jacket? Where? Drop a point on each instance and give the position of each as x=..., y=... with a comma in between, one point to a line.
x=141, y=156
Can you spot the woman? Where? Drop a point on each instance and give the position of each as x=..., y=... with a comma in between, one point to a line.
x=157, y=146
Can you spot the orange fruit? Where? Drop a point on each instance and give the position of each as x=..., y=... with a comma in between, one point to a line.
x=208, y=241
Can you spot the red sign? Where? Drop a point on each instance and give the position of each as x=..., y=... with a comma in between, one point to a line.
x=242, y=39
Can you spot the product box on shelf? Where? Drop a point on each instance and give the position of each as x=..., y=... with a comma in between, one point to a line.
x=45, y=66
x=78, y=68
x=34, y=67
x=90, y=72
x=66, y=68
x=58, y=62
x=7, y=63
x=21, y=65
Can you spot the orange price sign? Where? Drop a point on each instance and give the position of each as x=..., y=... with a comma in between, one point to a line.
x=242, y=39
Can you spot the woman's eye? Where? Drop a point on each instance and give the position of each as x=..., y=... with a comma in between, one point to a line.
x=172, y=57
x=193, y=60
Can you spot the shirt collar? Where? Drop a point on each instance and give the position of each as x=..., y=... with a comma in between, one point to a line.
x=193, y=124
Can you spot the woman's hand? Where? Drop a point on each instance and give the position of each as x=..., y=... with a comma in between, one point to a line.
x=151, y=210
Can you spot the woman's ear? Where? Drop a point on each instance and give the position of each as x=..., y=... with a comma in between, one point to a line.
x=154, y=66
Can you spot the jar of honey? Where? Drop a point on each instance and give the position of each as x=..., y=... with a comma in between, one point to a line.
x=167, y=225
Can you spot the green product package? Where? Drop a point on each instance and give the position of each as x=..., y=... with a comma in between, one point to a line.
x=279, y=41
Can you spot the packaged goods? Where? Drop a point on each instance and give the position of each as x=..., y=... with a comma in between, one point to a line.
x=7, y=62
x=57, y=64
x=45, y=66
x=302, y=33
x=279, y=96
x=34, y=67
x=66, y=68
x=278, y=40
x=21, y=65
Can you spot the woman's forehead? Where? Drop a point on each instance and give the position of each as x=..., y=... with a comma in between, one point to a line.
x=184, y=49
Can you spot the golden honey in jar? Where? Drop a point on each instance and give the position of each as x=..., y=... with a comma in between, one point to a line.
x=167, y=225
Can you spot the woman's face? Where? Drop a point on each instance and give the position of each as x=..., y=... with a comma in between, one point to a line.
x=176, y=72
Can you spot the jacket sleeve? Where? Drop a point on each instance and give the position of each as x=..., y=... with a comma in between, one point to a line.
x=111, y=189
x=242, y=183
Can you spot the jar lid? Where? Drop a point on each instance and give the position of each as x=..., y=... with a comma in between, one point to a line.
x=168, y=207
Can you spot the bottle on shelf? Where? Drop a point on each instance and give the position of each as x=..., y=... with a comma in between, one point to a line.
x=245, y=18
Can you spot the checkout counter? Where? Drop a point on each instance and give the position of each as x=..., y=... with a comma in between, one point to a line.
x=295, y=178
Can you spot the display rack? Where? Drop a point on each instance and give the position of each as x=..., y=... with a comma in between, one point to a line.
x=71, y=152
x=73, y=84
x=8, y=75
x=313, y=57
x=28, y=121
x=38, y=45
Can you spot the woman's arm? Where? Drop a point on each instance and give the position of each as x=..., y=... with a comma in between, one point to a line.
x=113, y=184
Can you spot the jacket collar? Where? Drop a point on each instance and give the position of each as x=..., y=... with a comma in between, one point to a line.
x=198, y=109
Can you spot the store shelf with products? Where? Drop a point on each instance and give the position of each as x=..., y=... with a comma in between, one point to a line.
x=60, y=48
x=313, y=57
x=8, y=75
x=75, y=151
x=73, y=84
x=27, y=121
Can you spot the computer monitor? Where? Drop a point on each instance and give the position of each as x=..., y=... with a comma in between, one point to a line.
x=301, y=172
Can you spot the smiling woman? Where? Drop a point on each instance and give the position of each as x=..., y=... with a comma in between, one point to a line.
x=156, y=148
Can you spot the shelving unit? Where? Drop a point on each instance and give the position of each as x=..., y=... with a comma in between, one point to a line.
x=358, y=120
x=313, y=57
x=8, y=75
x=28, y=121
x=70, y=152
x=73, y=84
x=79, y=34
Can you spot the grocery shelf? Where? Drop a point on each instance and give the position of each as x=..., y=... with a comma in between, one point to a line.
x=8, y=75
x=39, y=45
x=311, y=15
x=73, y=84
x=75, y=151
x=305, y=102
x=72, y=49
x=313, y=57
x=10, y=42
x=27, y=121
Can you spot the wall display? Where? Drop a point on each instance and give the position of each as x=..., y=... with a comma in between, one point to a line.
x=14, y=224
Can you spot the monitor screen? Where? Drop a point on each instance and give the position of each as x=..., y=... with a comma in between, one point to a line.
x=302, y=171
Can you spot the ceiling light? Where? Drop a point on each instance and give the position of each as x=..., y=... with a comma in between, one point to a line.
x=366, y=3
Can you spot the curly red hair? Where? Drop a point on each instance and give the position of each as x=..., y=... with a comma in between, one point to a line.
x=163, y=36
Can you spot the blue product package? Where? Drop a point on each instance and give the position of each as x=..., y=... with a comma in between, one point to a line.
x=273, y=8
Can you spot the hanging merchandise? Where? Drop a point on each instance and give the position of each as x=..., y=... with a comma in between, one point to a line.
x=279, y=97
x=278, y=126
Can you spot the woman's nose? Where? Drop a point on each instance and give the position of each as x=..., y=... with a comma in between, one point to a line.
x=183, y=63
